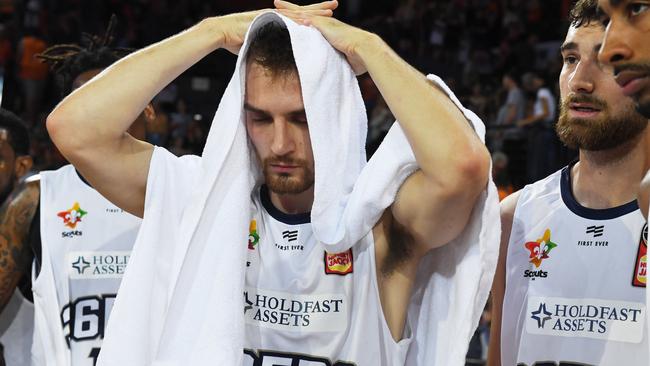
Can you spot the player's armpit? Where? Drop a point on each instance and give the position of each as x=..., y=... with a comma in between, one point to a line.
x=436, y=212
x=16, y=215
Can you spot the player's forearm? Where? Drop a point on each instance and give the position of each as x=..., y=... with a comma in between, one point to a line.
x=445, y=146
x=102, y=110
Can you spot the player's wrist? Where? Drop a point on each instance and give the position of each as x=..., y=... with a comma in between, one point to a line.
x=213, y=29
x=368, y=45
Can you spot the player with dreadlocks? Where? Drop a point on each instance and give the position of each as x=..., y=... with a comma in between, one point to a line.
x=83, y=242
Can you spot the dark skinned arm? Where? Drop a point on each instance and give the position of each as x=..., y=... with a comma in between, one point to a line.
x=16, y=215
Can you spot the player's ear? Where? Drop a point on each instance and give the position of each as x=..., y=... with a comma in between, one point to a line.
x=23, y=165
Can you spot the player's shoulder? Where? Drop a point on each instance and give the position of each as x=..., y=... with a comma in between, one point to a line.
x=32, y=180
x=509, y=204
x=530, y=194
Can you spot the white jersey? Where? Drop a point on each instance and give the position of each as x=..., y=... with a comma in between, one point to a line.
x=16, y=330
x=304, y=306
x=86, y=244
x=575, y=281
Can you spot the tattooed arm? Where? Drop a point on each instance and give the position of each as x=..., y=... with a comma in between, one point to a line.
x=16, y=215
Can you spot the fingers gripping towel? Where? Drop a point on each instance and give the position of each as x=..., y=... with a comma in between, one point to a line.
x=181, y=300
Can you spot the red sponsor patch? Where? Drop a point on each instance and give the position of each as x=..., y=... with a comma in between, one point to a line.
x=641, y=264
x=339, y=263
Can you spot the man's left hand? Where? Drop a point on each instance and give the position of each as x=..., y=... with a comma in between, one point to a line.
x=345, y=38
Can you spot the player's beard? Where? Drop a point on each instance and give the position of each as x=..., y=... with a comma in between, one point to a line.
x=300, y=180
x=605, y=132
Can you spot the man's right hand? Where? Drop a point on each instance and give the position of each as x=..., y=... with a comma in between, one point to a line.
x=89, y=126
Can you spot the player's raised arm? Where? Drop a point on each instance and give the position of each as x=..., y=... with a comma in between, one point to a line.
x=89, y=126
x=434, y=204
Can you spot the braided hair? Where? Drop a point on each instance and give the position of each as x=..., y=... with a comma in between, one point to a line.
x=68, y=61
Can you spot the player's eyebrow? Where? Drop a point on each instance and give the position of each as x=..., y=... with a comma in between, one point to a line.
x=569, y=46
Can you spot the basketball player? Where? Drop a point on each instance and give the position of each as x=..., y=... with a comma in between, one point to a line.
x=431, y=207
x=570, y=283
x=81, y=242
x=17, y=310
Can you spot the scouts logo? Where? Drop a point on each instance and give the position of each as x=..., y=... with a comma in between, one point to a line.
x=641, y=265
x=253, y=236
x=72, y=216
x=540, y=248
x=339, y=263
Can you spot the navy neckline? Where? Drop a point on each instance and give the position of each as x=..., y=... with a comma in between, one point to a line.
x=586, y=212
x=289, y=219
x=82, y=178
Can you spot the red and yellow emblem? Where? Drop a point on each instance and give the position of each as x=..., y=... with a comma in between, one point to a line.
x=641, y=266
x=339, y=263
x=72, y=216
x=253, y=236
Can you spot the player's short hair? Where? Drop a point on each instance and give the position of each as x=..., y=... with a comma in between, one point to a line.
x=584, y=12
x=271, y=49
x=68, y=61
x=18, y=134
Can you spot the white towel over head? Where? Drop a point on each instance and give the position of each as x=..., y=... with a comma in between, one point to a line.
x=181, y=302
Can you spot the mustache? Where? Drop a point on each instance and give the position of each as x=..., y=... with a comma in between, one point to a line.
x=284, y=161
x=637, y=67
x=584, y=98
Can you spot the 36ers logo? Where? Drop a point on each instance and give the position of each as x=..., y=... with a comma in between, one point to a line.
x=641, y=266
x=339, y=263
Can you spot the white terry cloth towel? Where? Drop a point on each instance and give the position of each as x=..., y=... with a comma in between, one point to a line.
x=180, y=302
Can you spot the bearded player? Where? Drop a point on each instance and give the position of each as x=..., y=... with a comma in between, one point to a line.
x=570, y=283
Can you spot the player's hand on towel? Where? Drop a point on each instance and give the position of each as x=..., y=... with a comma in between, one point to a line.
x=324, y=8
x=345, y=38
x=235, y=26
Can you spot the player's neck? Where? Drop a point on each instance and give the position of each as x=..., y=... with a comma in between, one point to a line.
x=293, y=203
x=605, y=179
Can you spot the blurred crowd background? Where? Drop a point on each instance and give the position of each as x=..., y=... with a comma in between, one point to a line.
x=500, y=57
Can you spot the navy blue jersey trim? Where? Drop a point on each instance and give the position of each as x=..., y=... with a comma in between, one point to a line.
x=590, y=213
x=83, y=179
x=289, y=219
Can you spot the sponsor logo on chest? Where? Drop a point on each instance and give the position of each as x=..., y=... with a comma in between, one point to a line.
x=70, y=219
x=291, y=312
x=97, y=265
x=339, y=263
x=641, y=263
x=539, y=250
x=289, y=241
x=586, y=318
x=593, y=232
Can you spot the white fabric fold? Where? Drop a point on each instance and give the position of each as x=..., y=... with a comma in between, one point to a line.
x=181, y=298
